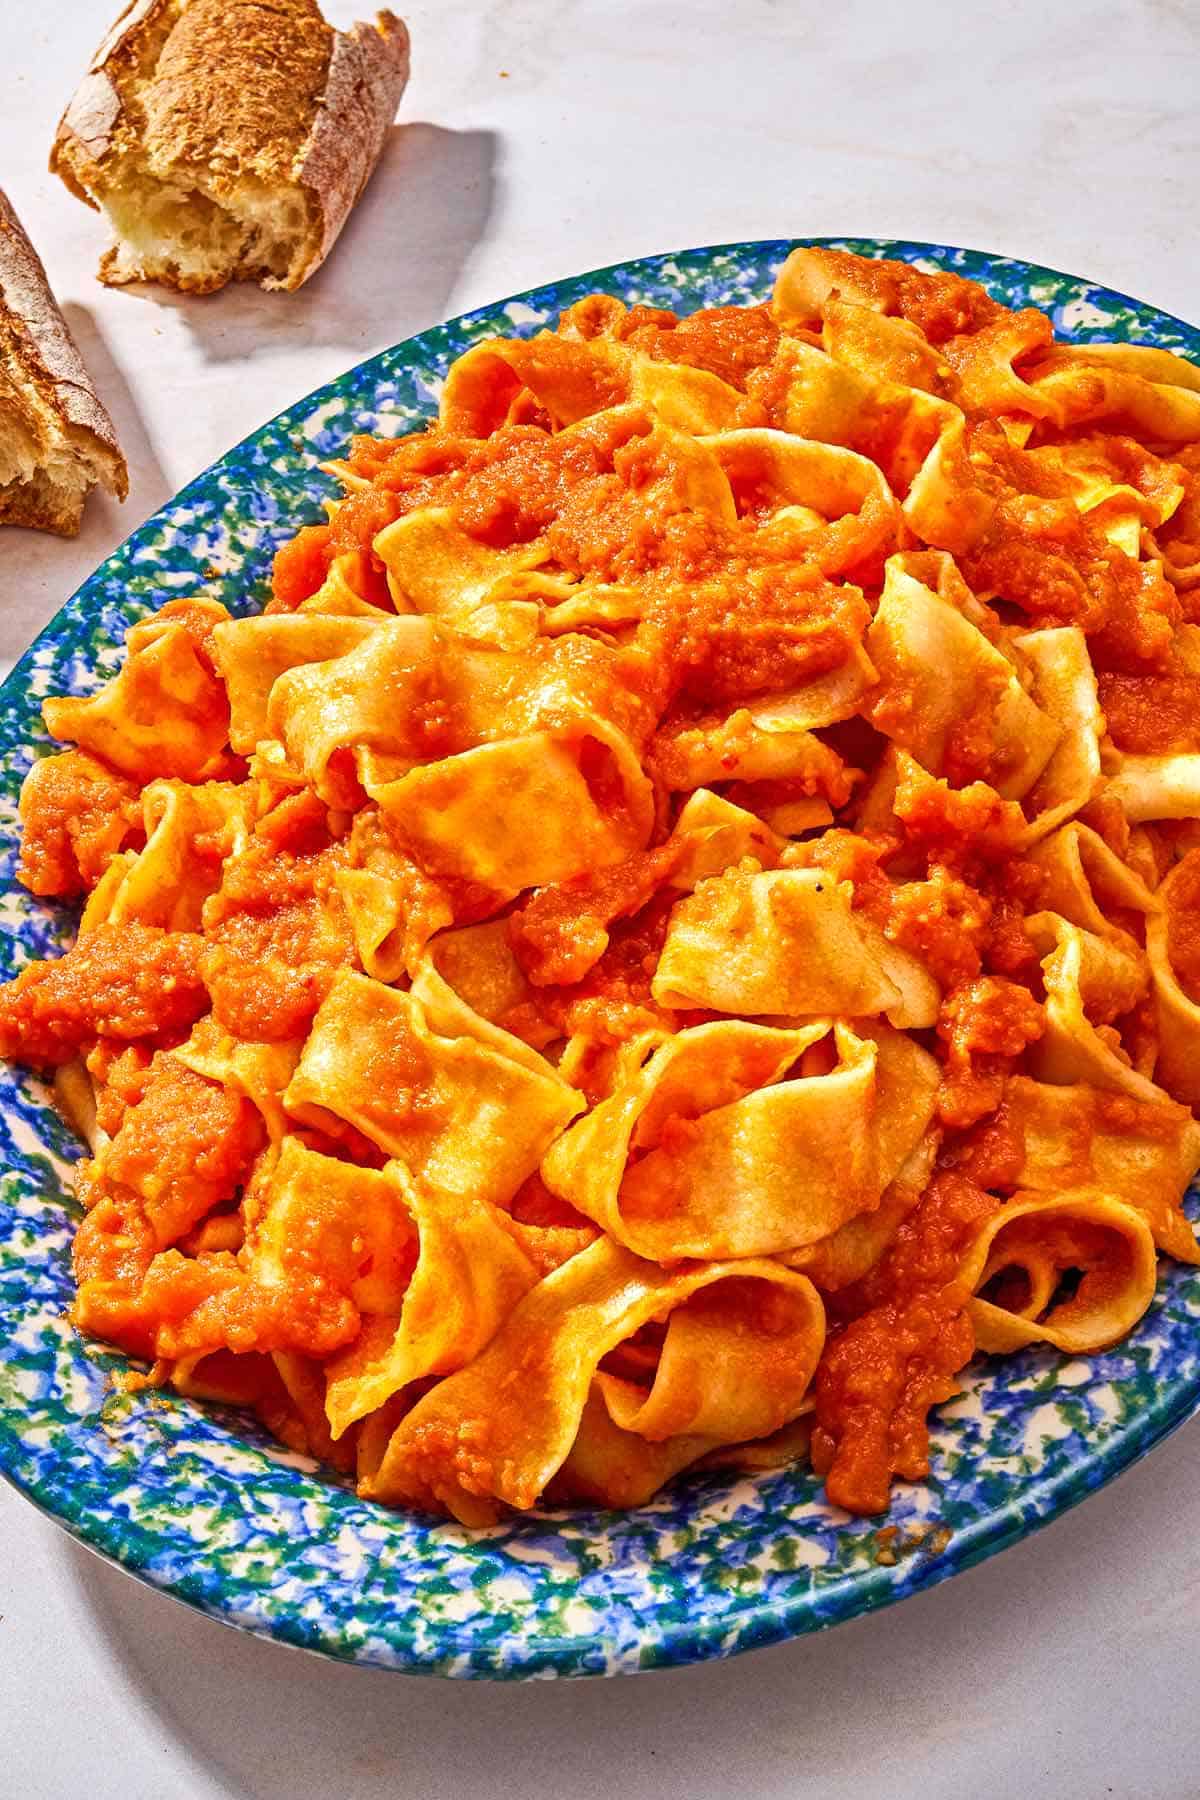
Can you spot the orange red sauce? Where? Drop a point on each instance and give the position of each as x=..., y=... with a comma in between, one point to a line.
x=900, y=1337
x=1183, y=924
x=125, y=981
x=77, y=813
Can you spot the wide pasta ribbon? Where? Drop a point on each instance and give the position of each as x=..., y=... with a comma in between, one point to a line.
x=189, y=830
x=718, y=1147
x=820, y=502
x=1169, y=935
x=505, y=768
x=163, y=714
x=517, y=813
x=716, y=835
x=1084, y=881
x=937, y=669
x=1177, y=546
x=1144, y=1152
x=253, y=653
x=432, y=1273
x=1023, y=1253
x=986, y=378
x=1152, y=394
x=918, y=439
x=286, y=1391
x=852, y=1251
x=466, y=1106
x=1090, y=981
x=812, y=277
x=1101, y=482
x=881, y=346
x=785, y=942
x=1148, y=393
x=354, y=1224
x=770, y=740
x=341, y=594
x=478, y=963
x=379, y=907
x=610, y=1466
x=814, y=280
x=570, y=379
x=559, y=934
x=1156, y=787
x=259, y=1071
x=392, y=905
x=436, y=565
x=833, y=504
x=741, y=1344
x=1064, y=688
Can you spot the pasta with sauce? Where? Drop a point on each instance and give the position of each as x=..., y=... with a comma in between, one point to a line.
x=676, y=927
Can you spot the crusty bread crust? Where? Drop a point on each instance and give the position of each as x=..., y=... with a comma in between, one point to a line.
x=88, y=132
x=234, y=89
x=46, y=398
x=208, y=95
x=368, y=72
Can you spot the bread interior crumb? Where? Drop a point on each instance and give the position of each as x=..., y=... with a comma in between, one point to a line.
x=166, y=228
x=62, y=474
x=31, y=449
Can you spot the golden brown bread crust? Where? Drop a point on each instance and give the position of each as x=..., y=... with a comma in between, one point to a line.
x=90, y=130
x=361, y=96
x=50, y=415
x=210, y=97
x=236, y=87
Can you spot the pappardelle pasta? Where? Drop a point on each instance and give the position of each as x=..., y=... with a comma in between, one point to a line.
x=679, y=924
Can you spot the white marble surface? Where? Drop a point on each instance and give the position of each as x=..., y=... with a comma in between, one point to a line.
x=542, y=137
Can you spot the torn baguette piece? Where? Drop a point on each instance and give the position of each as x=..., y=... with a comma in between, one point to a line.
x=56, y=439
x=228, y=140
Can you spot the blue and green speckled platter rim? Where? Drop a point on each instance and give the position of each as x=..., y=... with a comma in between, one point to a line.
x=196, y=1502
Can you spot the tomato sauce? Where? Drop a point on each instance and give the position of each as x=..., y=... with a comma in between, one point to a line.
x=185, y=1147
x=300, y=566
x=171, y=1305
x=985, y=1025
x=900, y=1337
x=1183, y=925
x=1179, y=538
x=939, y=303
x=731, y=610
x=728, y=341
x=276, y=930
x=120, y=981
x=76, y=813
x=942, y=918
x=612, y=1002
x=559, y=933
x=1151, y=715
x=199, y=618
x=1049, y=561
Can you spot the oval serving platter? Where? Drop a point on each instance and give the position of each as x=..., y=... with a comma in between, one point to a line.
x=198, y=1502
